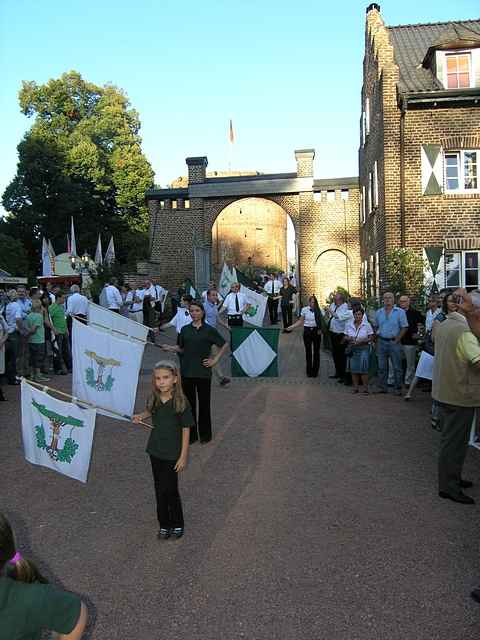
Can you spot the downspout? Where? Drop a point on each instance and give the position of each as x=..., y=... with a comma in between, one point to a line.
x=402, y=175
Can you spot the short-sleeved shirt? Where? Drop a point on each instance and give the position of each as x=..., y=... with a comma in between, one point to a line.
x=27, y=609
x=36, y=320
x=309, y=319
x=165, y=441
x=390, y=326
x=12, y=314
x=196, y=343
x=468, y=348
x=287, y=293
x=57, y=315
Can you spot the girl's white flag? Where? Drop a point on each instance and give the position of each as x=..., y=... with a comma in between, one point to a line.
x=56, y=434
x=98, y=315
x=105, y=370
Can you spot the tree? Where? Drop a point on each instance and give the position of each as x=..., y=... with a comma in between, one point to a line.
x=405, y=271
x=13, y=257
x=82, y=157
x=57, y=422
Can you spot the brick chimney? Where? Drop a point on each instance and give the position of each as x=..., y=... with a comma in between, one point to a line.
x=304, y=158
x=197, y=169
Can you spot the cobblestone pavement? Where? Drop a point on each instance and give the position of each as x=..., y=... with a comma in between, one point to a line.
x=312, y=515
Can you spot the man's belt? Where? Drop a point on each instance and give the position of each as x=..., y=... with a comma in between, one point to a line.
x=387, y=339
x=234, y=315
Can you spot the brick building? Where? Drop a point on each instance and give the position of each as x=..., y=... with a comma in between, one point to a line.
x=419, y=154
x=324, y=214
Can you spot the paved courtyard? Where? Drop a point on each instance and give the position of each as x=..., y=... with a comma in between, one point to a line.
x=313, y=514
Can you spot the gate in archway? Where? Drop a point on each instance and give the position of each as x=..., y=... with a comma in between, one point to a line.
x=202, y=261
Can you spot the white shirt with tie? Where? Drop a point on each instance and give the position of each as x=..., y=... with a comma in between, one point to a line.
x=272, y=287
x=180, y=319
x=230, y=303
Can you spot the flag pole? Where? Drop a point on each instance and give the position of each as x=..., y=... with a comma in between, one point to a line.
x=144, y=342
x=46, y=389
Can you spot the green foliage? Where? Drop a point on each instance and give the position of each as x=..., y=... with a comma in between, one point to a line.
x=109, y=383
x=344, y=292
x=405, y=271
x=90, y=377
x=82, y=157
x=40, y=436
x=69, y=450
x=13, y=257
x=56, y=417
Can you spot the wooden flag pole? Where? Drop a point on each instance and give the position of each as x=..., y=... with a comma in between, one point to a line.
x=44, y=388
x=95, y=324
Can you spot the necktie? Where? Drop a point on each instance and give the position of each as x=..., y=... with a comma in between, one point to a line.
x=237, y=306
x=272, y=288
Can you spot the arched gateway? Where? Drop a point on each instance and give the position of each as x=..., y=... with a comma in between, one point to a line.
x=325, y=215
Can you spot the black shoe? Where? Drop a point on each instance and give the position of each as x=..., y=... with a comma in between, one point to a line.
x=334, y=377
x=163, y=534
x=2, y=397
x=466, y=484
x=461, y=498
x=15, y=383
x=224, y=382
x=205, y=440
x=193, y=440
x=177, y=532
x=475, y=595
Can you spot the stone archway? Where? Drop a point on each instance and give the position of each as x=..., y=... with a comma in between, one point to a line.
x=333, y=266
x=253, y=227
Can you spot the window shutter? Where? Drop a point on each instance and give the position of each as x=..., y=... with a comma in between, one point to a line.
x=367, y=116
x=375, y=184
x=432, y=169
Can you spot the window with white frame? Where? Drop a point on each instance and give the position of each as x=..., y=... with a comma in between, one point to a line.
x=462, y=269
x=363, y=205
x=344, y=194
x=377, y=275
x=370, y=191
x=461, y=170
x=458, y=70
x=375, y=184
x=367, y=116
x=174, y=204
x=186, y=203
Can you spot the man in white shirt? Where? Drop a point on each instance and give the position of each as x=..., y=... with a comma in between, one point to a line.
x=272, y=287
x=77, y=304
x=13, y=316
x=432, y=313
x=134, y=300
x=212, y=287
x=182, y=317
x=235, y=305
x=160, y=297
x=113, y=297
x=339, y=315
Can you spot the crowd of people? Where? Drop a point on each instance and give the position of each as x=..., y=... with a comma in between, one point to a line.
x=388, y=343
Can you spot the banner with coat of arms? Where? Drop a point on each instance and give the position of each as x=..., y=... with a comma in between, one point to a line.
x=105, y=370
x=56, y=434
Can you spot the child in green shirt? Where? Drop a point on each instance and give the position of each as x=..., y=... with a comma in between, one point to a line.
x=36, y=340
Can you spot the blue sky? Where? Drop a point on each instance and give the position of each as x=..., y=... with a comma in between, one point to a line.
x=287, y=73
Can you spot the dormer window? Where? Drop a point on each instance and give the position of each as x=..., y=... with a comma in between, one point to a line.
x=458, y=70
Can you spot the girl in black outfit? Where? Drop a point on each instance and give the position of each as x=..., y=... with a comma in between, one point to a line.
x=311, y=320
x=287, y=291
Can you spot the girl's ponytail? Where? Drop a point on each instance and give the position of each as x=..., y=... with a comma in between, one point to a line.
x=11, y=561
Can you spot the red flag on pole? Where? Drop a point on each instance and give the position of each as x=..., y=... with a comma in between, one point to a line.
x=231, y=134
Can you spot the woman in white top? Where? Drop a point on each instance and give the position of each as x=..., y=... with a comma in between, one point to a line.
x=310, y=319
x=358, y=336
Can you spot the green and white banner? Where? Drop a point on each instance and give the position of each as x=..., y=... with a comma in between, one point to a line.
x=227, y=278
x=56, y=434
x=258, y=305
x=254, y=352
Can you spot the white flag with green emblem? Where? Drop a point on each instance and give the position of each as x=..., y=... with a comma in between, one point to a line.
x=254, y=352
x=258, y=305
x=56, y=434
x=105, y=369
x=227, y=278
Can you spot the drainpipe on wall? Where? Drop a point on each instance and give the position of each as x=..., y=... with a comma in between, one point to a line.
x=402, y=175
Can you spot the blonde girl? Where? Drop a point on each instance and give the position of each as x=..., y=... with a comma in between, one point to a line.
x=168, y=444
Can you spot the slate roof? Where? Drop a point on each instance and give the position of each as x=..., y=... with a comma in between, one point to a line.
x=411, y=43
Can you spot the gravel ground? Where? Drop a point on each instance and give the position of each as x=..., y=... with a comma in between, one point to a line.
x=313, y=514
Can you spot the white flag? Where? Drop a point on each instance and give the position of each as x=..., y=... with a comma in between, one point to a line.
x=46, y=262
x=73, y=242
x=50, y=249
x=105, y=370
x=102, y=317
x=98, y=252
x=258, y=304
x=110, y=253
x=56, y=434
x=227, y=278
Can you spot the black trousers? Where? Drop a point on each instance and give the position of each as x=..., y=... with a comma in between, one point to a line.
x=312, y=340
x=287, y=315
x=11, y=352
x=169, y=503
x=273, y=310
x=200, y=387
x=338, y=353
x=62, y=357
x=456, y=424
